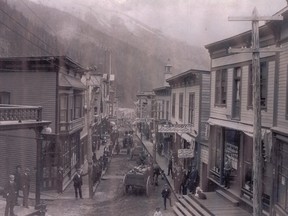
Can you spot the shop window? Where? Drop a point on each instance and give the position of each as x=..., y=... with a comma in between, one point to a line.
x=77, y=106
x=282, y=189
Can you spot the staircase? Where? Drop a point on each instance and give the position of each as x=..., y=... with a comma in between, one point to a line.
x=189, y=206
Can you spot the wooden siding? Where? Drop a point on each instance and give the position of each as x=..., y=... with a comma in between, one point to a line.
x=17, y=148
x=32, y=88
x=246, y=114
x=282, y=121
x=205, y=104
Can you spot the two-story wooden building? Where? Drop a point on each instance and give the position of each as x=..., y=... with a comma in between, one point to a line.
x=231, y=115
x=190, y=104
x=54, y=83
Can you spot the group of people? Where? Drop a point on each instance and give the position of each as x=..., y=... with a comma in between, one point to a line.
x=17, y=181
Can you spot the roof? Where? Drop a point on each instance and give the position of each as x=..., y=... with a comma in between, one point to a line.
x=70, y=82
x=187, y=73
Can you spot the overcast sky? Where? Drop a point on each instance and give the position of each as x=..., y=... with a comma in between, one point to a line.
x=197, y=21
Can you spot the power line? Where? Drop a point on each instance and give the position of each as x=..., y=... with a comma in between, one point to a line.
x=16, y=21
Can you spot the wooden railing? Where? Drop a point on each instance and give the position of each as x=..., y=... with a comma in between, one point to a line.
x=20, y=113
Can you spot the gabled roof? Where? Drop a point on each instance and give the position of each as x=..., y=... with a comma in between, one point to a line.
x=187, y=73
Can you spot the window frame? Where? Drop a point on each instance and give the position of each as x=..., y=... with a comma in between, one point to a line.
x=173, y=104
x=181, y=104
x=221, y=87
x=191, y=108
x=63, y=109
x=5, y=96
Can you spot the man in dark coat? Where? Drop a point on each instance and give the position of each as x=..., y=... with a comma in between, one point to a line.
x=17, y=176
x=26, y=186
x=170, y=167
x=193, y=180
x=10, y=193
x=77, y=179
x=166, y=194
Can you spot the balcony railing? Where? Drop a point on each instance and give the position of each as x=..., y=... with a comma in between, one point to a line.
x=20, y=113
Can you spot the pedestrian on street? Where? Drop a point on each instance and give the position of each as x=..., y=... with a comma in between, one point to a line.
x=156, y=173
x=170, y=166
x=78, y=182
x=184, y=182
x=166, y=194
x=59, y=179
x=26, y=186
x=193, y=180
x=178, y=179
x=158, y=212
x=17, y=179
x=227, y=172
x=10, y=193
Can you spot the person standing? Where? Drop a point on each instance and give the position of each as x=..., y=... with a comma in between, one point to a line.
x=193, y=180
x=166, y=194
x=26, y=186
x=10, y=193
x=227, y=172
x=17, y=177
x=158, y=212
x=170, y=166
x=78, y=182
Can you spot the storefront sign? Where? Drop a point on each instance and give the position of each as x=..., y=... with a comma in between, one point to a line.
x=204, y=155
x=174, y=128
x=185, y=153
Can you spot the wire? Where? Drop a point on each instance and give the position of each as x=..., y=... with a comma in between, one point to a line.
x=39, y=17
x=16, y=21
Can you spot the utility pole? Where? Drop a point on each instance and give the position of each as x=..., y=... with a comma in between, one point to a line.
x=257, y=153
x=155, y=126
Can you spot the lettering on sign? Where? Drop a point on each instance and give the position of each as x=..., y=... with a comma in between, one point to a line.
x=204, y=155
x=174, y=128
x=185, y=153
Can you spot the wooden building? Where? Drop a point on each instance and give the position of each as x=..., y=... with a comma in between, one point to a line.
x=190, y=104
x=231, y=116
x=54, y=83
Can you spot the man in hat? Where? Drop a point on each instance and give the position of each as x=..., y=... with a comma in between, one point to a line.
x=77, y=179
x=166, y=194
x=26, y=186
x=10, y=193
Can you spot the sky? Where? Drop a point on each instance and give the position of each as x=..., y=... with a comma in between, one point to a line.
x=199, y=22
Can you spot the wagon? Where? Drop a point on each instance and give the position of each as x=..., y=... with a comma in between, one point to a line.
x=138, y=178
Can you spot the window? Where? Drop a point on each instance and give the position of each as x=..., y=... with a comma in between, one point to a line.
x=181, y=106
x=163, y=106
x=221, y=87
x=167, y=110
x=4, y=97
x=63, y=108
x=236, y=92
x=77, y=106
x=282, y=189
x=173, y=104
x=263, y=85
x=191, y=114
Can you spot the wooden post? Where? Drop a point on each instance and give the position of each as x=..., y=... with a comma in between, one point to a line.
x=257, y=138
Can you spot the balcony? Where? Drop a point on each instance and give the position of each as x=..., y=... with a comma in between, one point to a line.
x=70, y=127
x=20, y=113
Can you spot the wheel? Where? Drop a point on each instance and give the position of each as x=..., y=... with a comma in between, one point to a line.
x=125, y=186
x=148, y=186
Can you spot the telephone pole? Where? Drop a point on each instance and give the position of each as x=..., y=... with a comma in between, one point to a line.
x=257, y=138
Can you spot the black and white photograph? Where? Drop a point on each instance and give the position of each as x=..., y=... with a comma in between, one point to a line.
x=144, y=107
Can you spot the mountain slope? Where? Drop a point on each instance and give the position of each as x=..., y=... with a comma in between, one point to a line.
x=138, y=53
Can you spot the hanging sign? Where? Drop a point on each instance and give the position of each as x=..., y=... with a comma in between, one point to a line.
x=174, y=128
x=185, y=153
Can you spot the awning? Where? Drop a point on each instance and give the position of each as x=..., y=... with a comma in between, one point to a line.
x=70, y=82
x=186, y=136
x=245, y=128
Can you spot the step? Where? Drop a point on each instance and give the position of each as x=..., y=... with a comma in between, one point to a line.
x=177, y=211
x=197, y=206
x=183, y=209
x=228, y=197
x=189, y=207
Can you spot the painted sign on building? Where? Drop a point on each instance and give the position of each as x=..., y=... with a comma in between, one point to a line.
x=175, y=128
x=185, y=153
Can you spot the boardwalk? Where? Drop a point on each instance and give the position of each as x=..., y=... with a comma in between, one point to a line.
x=221, y=207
